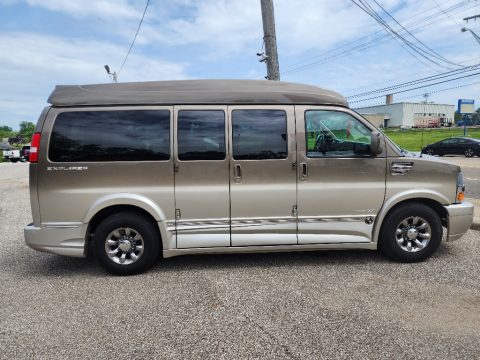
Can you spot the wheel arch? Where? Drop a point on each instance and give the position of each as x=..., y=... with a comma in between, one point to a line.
x=431, y=199
x=112, y=204
x=125, y=199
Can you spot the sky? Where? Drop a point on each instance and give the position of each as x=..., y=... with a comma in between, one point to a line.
x=44, y=43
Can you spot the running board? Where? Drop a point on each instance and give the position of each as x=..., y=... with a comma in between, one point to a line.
x=269, y=248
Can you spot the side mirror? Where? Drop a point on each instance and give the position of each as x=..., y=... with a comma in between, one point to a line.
x=376, y=143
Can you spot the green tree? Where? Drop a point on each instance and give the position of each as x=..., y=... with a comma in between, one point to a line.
x=476, y=117
x=5, y=132
x=27, y=129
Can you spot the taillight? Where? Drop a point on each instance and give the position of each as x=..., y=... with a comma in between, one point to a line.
x=33, y=156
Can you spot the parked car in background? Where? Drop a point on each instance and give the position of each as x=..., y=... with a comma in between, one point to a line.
x=454, y=146
x=12, y=155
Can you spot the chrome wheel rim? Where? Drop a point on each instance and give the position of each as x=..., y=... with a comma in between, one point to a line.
x=124, y=246
x=413, y=234
x=469, y=152
x=429, y=152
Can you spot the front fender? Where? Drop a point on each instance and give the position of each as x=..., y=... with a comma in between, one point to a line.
x=418, y=194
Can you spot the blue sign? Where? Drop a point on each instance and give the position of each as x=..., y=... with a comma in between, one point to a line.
x=466, y=106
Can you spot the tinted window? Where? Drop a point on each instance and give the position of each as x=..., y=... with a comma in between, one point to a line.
x=335, y=134
x=138, y=135
x=201, y=135
x=259, y=134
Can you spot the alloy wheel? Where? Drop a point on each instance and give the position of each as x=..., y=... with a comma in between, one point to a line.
x=124, y=246
x=413, y=234
x=469, y=152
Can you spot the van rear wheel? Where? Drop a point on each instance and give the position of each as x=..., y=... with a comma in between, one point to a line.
x=411, y=233
x=126, y=243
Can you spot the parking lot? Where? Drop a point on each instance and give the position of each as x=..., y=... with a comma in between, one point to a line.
x=314, y=305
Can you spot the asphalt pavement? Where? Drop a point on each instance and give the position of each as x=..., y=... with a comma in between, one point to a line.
x=471, y=173
x=316, y=305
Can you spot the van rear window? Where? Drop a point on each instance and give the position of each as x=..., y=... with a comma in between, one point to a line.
x=98, y=136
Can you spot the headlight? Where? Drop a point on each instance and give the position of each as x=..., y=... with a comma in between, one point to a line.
x=460, y=187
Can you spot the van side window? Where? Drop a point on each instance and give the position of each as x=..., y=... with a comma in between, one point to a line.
x=93, y=136
x=259, y=134
x=335, y=134
x=201, y=135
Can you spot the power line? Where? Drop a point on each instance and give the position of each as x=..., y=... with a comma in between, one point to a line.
x=441, y=90
x=422, y=94
x=404, y=76
x=382, y=35
x=446, y=13
x=363, y=5
x=418, y=81
x=367, y=42
x=440, y=57
x=383, y=82
x=418, y=87
x=134, y=38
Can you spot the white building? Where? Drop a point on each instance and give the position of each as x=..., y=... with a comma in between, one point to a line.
x=411, y=114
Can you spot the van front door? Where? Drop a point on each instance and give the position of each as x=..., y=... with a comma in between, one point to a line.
x=201, y=177
x=341, y=187
x=262, y=175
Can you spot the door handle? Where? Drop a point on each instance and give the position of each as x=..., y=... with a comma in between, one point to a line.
x=304, y=166
x=237, y=172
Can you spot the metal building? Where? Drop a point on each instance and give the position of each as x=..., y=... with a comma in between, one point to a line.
x=409, y=114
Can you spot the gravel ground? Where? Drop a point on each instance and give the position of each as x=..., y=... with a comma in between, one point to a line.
x=331, y=305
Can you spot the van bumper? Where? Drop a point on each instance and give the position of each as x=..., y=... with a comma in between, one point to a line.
x=60, y=238
x=460, y=218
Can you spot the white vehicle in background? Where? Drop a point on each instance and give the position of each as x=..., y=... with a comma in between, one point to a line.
x=12, y=155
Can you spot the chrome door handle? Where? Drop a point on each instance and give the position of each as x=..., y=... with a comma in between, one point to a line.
x=237, y=172
x=304, y=167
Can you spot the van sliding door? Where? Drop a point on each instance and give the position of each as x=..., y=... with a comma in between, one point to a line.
x=263, y=175
x=201, y=177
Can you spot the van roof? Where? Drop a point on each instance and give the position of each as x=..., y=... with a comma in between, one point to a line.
x=194, y=92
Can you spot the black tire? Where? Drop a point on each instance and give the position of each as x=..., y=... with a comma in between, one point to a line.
x=469, y=152
x=138, y=225
x=391, y=247
x=13, y=160
x=430, y=151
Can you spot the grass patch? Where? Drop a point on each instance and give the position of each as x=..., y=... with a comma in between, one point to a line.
x=412, y=139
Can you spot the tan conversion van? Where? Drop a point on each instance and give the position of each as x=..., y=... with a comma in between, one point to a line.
x=128, y=172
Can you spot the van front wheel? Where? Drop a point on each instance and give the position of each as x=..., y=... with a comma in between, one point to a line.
x=126, y=243
x=411, y=233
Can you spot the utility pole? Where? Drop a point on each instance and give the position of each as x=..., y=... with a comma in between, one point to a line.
x=465, y=29
x=426, y=95
x=270, y=40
